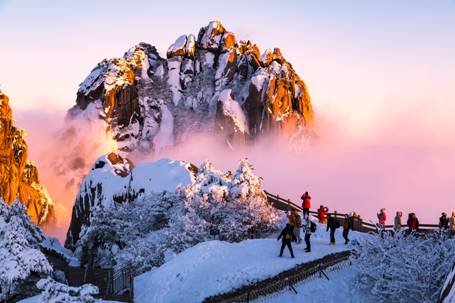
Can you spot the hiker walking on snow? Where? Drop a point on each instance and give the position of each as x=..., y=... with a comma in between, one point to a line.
x=287, y=236
x=306, y=204
x=382, y=217
x=347, y=225
x=296, y=222
x=397, y=221
x=332, y=225
x=308, y=228
x=322, y=214
x=443, y=222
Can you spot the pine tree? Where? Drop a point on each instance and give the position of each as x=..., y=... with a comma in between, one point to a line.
x=20, y=256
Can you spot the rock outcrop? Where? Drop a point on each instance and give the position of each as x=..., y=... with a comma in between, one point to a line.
x=114, y=179
x=209, y=83
x=19, y=176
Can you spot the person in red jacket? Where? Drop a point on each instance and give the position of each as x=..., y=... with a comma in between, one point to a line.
x=413, y=223
x=322, y=214
x=306, y=204
x=382, y=217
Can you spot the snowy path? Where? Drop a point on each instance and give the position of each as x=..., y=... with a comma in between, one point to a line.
x=217, y=267
x=339, y=289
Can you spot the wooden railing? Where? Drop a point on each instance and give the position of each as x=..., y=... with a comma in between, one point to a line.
x=122, y=281
x=359, y=225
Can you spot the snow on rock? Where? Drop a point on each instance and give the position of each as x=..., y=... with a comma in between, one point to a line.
x=197, y=70
x=231, y=109
x=114, y=179
x=174, y=79
x=165, y=136
x=224, y=266
x=21, y=261
x=53, y=244
x=178, y=48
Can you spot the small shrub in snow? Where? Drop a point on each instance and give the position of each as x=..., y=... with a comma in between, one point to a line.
x=402, y=268
x=20, y=255
x=55, y=292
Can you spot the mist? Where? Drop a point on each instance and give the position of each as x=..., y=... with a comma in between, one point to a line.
x=403, y=161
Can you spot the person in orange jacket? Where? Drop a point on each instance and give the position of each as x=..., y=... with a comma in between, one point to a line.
x=306, y=204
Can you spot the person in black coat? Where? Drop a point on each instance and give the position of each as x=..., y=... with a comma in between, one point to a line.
x=287, y=236
x=332, y=225
x=444, y=222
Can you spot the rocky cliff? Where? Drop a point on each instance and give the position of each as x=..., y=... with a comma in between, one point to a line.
x=19, y=176
x=211, y=82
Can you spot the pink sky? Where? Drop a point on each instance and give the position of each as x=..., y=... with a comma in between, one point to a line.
x=381, y=76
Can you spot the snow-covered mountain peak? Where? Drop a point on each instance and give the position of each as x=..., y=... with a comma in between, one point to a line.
x=213, y=83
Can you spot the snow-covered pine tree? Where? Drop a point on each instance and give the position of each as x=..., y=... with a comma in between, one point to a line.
x=404, y=268
x=235, y=205
x=22, y=262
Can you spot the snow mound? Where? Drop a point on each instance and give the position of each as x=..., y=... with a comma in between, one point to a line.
x=224, y=266
x=120, y=179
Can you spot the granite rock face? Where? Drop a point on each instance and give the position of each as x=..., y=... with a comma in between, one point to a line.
x=19, y=176
x=210, y=83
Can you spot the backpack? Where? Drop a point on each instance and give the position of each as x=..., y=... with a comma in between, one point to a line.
x=337, y=224
x=313, y=227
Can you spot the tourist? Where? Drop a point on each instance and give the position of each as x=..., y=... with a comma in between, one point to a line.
x=413, y=223
x=382, y=217
x=347, y=225
x=307, y=228
x=332, y=225
x=296, y=222
x=443, y=222
x=306, y=204
x=452, y=223
x=397, y=221
x=322, y=214
x=287, y=236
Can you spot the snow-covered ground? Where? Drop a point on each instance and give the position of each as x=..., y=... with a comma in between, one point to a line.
x=216, y=267
x=339, y=289
x=39, y=299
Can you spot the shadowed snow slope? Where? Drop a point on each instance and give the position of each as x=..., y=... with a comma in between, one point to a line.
x=224, y=266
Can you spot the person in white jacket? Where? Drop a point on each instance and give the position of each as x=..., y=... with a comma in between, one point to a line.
x=307, y=229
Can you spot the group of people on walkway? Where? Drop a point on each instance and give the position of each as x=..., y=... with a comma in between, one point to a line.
x=352, y=221
x=445, y=223
x=291, y=233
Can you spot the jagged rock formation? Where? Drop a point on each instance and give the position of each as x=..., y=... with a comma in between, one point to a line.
x=19, y=176
x=213, y=83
